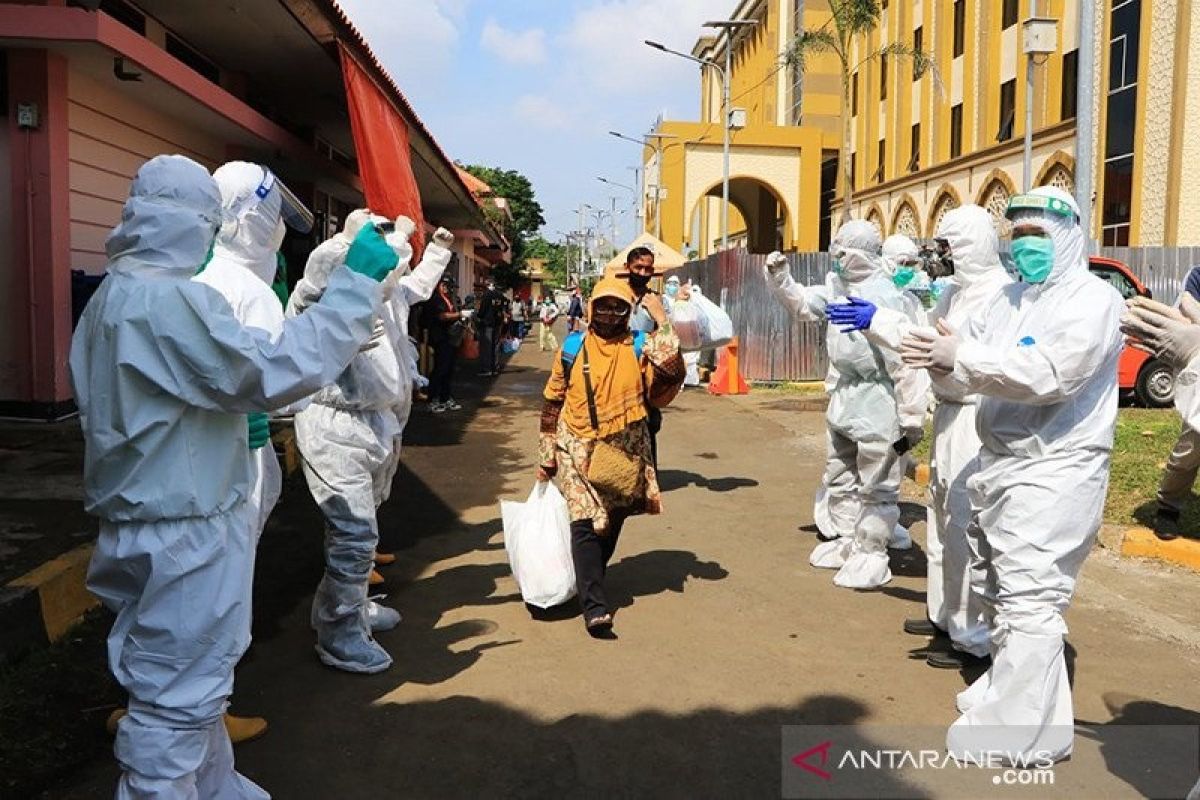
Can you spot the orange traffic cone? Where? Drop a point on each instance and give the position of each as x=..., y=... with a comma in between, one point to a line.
x=728, y=378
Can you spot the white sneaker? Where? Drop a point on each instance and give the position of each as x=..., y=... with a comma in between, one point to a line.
x=437, y=408
x=381, y=618
x=452, y=405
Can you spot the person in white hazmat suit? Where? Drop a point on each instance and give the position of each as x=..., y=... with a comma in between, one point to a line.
x=164, y=376
x=242, y=268
x=1043, y=360
x=864, y=435
x=954, y=599
x=348, y=437
x=1173, y=334
x=673, y=290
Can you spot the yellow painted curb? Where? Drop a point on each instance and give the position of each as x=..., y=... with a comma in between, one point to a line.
x=63, y=597
x=1143, y=543
x=921, y=475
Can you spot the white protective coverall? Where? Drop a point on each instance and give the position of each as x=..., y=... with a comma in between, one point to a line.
x=348, y=437
x=164, y=375
x=954, y=600
x=863, y=470
x=1043, y=358
x=408, y=287
x=241, y=269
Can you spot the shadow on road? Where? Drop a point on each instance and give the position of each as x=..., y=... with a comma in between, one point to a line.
x=672, y=479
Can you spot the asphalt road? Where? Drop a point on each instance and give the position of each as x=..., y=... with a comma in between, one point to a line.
x=726, y=635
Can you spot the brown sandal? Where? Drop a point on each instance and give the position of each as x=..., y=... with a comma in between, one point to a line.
x=600, y=627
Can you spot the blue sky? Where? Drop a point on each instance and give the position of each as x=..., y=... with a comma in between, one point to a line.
x=534, y=85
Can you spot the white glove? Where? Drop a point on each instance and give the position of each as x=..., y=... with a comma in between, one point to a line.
x=932, y=350
x=776, y=263
x=1171, y=334
x=443, y=238
x=405, y=227
x=389, y=285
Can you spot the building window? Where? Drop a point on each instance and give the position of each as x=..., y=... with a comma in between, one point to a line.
x=960, y=27
x=881, y=171
x=1121, y=130
x=181, y=51
x=956, y=131
x=854, y=95
x=797, y=113
x=918, y=47
x=1008, y=110
x=914, y=156
x=125, y=14
x=883, y=77
x=1010, y=13
x=1070, y=84
x=854, y=169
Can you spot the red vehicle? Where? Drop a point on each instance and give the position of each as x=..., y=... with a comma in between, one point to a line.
x=1150, y=381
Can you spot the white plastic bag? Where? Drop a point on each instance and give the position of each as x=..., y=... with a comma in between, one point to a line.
x=537, y=536
x=688, y=322
x=718, y=327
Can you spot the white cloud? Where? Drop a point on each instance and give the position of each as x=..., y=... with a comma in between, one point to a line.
x=416, y=45
x=606, y=42
x=541, y=112
x=516, y=47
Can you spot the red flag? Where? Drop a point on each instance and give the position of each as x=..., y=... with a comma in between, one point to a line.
x=381, y=143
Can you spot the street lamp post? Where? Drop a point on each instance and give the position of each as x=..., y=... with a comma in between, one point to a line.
x=730, y=26
x=658, y=150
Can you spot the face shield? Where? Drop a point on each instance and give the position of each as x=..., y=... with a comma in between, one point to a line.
x=294, y=213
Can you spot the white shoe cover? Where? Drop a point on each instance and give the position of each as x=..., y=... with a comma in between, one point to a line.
x=864, y=571
x=901, y=539
x=381, y=618
x=971, y=696
x=831, y=554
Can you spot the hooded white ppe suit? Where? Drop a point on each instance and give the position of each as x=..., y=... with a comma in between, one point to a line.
x=348, y=437
x=412, y=286
x=164, y=375
x=241, y=269
x=1043, y=358
x=954, y=601
x=863, y=469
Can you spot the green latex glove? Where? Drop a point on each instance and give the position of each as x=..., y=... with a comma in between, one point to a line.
x=371, y=255
x=280, y=285
x=260, y=430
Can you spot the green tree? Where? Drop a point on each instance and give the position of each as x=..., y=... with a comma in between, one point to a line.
x=527, y=213
x=850, y=20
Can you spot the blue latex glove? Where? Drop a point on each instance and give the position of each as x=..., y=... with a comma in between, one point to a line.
x=371, y=255
x=260, y=430
x=854, y=315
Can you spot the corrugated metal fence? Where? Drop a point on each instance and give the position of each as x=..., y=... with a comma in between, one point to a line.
x=776, y=348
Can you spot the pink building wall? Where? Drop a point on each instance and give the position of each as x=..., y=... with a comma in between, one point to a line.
x=111, y=136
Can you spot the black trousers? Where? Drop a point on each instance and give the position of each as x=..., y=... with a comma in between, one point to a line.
x=654, y=417
x=489, y=348
x=444, y=356
x=591, y=554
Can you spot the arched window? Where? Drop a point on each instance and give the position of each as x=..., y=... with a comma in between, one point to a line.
x=995, y=200
x=906, y=222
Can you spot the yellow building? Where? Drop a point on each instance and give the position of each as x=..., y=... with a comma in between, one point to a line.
x=922, y=144
x=783, y=158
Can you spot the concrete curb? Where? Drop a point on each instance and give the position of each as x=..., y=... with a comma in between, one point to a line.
x=1128, y=541
x=44, y=604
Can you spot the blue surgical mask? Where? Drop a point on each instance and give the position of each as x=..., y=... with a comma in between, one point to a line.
x=672, y=289
x=1034, y=256
x=904, y=276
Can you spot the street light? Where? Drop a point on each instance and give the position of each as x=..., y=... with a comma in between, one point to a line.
x=730, y=26
x=658, y=147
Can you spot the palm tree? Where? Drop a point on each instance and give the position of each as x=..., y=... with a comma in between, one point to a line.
x=850, y=20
